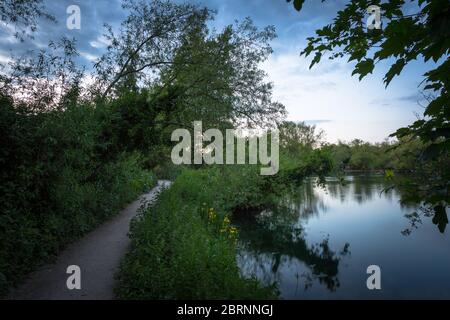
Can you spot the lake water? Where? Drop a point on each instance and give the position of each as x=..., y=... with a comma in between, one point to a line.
x=319, y=242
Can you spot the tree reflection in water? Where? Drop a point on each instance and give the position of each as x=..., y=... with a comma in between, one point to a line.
x=410, y=197
x=275, y=237
x=275, y=247
x=438, y=215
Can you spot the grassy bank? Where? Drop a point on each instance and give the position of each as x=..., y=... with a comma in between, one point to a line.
x=184, y=246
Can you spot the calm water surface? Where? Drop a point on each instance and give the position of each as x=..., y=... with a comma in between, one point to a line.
x=320, y=241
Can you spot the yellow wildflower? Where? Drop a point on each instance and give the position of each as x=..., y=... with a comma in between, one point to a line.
x=233, y=230
x=211, y=215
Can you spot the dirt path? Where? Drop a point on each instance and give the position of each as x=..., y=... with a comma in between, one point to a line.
x=98, y=254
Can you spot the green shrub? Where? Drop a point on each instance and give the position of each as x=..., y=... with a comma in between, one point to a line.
x=167, y=170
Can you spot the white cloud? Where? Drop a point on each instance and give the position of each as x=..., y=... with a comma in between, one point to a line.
x=328, y=91
x=4, y=59
x=89, y=56
x=100, y=42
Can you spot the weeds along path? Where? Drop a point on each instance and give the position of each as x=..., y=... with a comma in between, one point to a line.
x=98, y=254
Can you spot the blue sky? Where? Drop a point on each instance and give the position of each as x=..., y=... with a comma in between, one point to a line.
x=326, y=95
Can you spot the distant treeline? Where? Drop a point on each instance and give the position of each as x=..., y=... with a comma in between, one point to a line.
x=357, y=155
x=366, y=156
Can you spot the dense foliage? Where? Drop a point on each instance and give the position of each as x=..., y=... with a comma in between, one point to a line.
x=56, y=185
x=359, y=155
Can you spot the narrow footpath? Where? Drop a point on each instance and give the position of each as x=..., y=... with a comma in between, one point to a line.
x=98, y=254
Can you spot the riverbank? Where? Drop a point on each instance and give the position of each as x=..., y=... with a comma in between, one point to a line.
x=184, y=246
x=376, y=171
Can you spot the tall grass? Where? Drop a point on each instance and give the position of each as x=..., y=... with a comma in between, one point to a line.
x=184, y=246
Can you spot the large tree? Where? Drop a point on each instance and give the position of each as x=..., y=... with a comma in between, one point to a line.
x=147, y=40
x=190, y=71
x=216, y=77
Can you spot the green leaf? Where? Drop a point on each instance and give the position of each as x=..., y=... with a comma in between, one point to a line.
x=363, y=68
x=401, y=132
x=395, y=70
x=298, y=4
x=433, y=151
x=316, y=59
x=435, y=106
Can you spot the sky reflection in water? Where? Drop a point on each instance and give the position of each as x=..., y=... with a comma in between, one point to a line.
x=320, y=241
